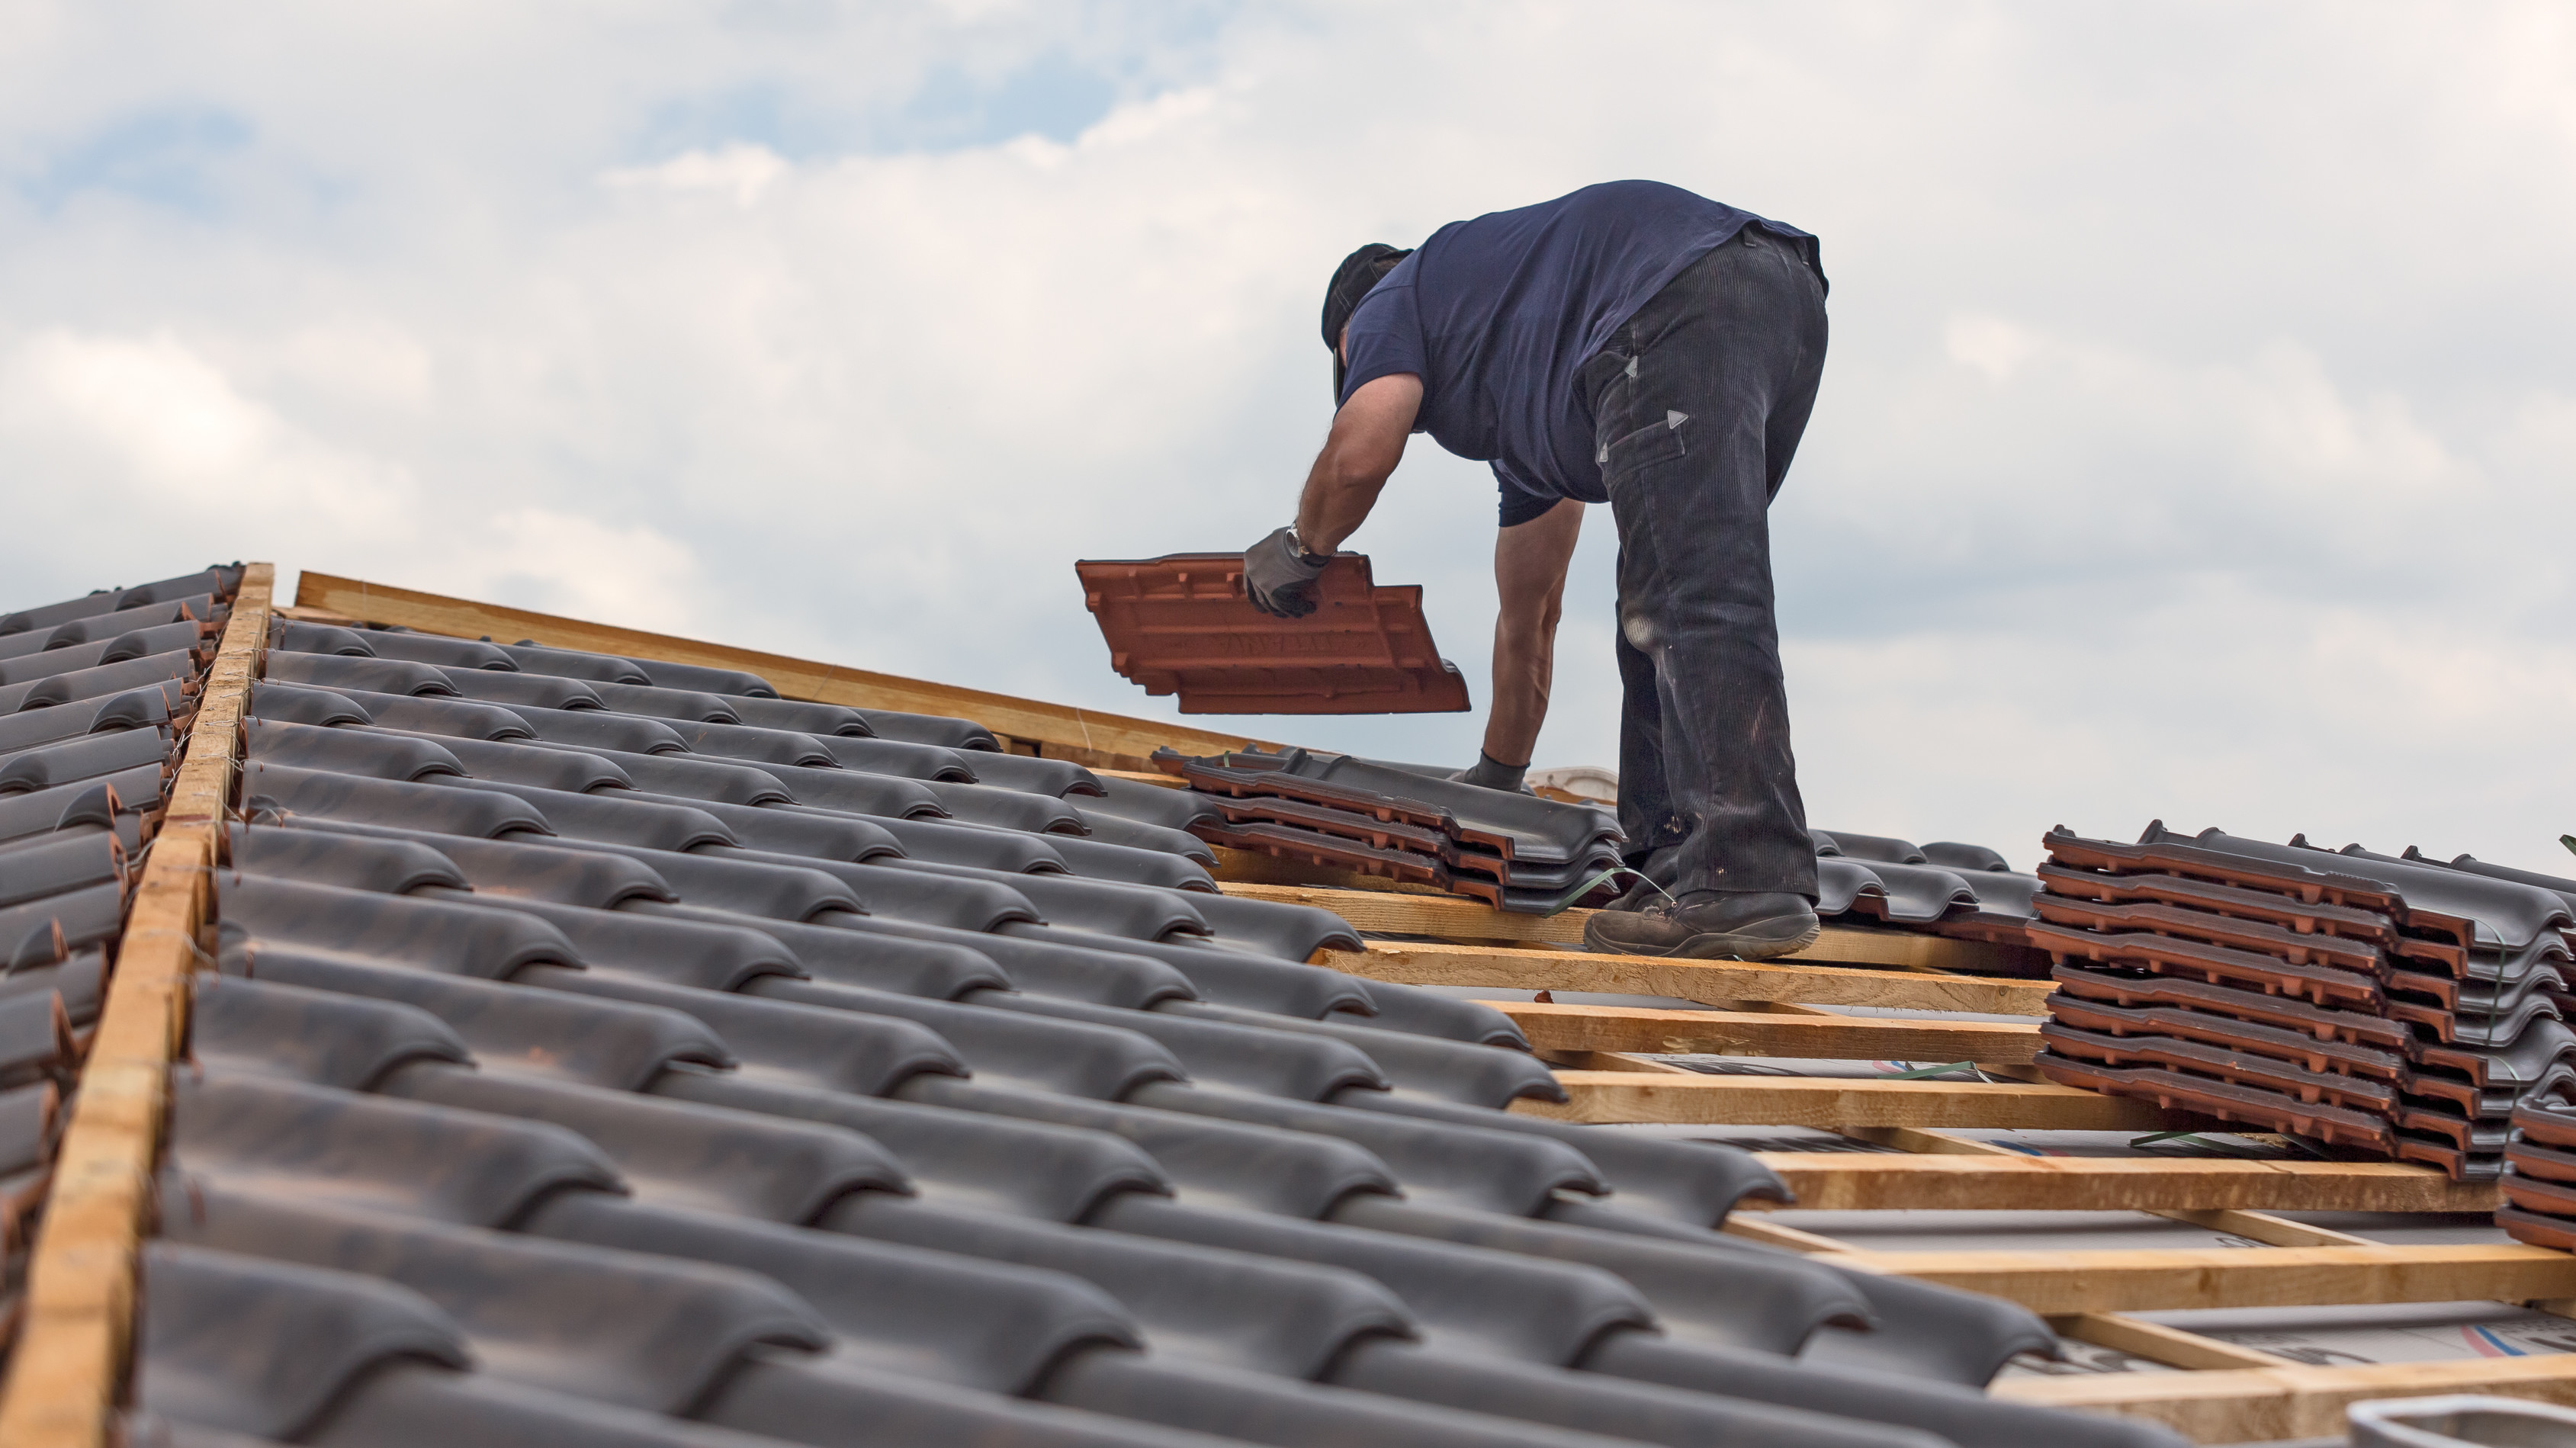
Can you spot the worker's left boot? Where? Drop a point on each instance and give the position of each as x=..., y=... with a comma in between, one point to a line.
x=1707, y=925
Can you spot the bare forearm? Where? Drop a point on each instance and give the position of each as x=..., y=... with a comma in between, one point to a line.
x=1360, y=453
x=1530, y=560
x=1336, y=501
x=1524, y=668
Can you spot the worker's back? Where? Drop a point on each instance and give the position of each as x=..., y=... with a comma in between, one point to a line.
x=1498, y=314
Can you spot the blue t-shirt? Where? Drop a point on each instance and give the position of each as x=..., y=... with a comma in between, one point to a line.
x=1498, y=314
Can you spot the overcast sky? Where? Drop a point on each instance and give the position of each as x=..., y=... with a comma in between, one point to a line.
x=2196, y=440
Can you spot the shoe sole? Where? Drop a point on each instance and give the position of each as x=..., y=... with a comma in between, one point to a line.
x=1715, y=945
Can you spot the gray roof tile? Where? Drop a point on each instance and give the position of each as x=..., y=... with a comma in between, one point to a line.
x=603, y=1074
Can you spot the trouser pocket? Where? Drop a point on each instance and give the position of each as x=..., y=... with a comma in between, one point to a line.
x=1632, y=430
x=1656, y=442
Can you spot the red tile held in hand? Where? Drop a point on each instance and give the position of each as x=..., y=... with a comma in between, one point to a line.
x=1180, y=624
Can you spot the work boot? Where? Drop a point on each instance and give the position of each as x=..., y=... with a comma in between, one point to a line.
x=1707, y=925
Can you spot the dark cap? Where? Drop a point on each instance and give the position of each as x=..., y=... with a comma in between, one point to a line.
x=1359, y=271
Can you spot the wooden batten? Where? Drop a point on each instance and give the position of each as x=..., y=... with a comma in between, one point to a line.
x=1801, y=980
x=1611, y=1061
x=1773, y=1234
x=2259, y=1404
x=2179, y=1278
x=1628, y=1096
x=1443, y=917
x=2262, y=1227
x=1149, y=776
x=1862, y=1181
x=1552, y=1027
x=1381, y=911
x=2158, y=1343
x=68, y=1369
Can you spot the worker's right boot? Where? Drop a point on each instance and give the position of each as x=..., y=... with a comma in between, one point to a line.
x=1708, y=925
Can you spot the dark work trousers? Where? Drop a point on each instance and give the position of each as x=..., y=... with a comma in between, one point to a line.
x=1698, y=403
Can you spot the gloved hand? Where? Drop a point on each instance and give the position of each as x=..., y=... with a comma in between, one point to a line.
x=1279, y=575
x=1492, y=773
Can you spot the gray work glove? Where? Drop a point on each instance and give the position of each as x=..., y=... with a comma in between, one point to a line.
x=1492, y=773
x=1279, y=574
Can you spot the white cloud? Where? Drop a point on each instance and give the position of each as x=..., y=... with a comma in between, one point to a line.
x=743, y=171
x=152, y=439
x=1129, y=124
x=1991, y=345
x=150, y=419
x=2195, y=439
x=580, y=566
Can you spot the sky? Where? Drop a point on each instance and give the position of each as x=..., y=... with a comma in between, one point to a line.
x=2195, y=442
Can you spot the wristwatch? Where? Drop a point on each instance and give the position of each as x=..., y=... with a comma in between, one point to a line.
x=1306, y=555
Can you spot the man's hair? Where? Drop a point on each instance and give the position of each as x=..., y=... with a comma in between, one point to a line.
x=1359, y=271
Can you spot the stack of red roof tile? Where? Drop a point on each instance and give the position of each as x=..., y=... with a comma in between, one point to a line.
x=2540, y=1173
x=2392, y=1005
x=1181, y=624
x=1513, y=851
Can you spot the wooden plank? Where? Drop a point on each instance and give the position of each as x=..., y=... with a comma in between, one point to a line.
x=2262, y=1227
x=1413, y=963
x=1447, y=917
x=1744, y=1033
x=1861, y=1181
x=1782, y=1008
x=1851, y=945
x=314, y=615
x=1940, y=1143
x=1624, y=1096
x=1081, y=735
x=1434, y=913
x=2251, y=1225
x=2264, y=1404
x=1612, y=1061
x=2173, y=1279
x=1773, y=1234
x=68, y=1367
x=2158, y=1343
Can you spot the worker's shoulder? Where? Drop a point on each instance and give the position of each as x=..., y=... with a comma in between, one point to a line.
x=1632, y=196
x=1616, y=190
x=1608, y=201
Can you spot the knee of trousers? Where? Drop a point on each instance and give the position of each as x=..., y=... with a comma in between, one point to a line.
x=1637, y=626
x=1648, y=627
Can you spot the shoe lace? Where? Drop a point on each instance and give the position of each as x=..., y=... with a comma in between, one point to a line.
x=1613, y=876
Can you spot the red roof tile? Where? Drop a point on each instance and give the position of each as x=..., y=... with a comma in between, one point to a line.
x=1180, y=624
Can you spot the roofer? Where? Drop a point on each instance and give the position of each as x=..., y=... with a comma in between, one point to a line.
x=1637, y=345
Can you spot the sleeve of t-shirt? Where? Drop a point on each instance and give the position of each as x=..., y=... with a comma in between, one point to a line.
x=1520, y=501
x=1385, y=333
